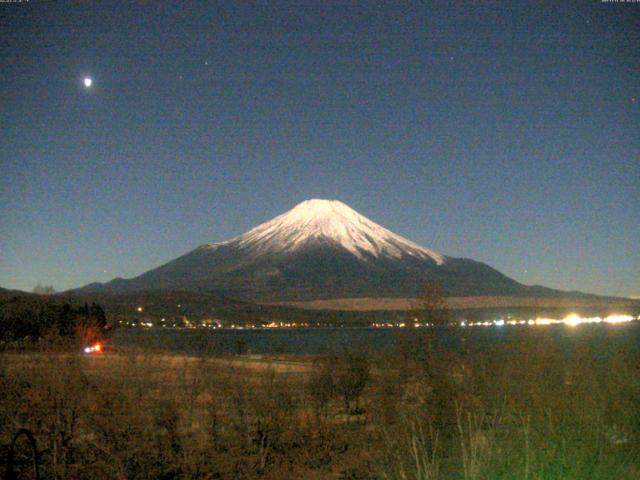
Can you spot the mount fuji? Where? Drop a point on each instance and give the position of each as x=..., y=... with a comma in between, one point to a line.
x=320, y=249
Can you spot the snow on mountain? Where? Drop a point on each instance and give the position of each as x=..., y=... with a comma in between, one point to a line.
x=319, y=249
x=328, y=221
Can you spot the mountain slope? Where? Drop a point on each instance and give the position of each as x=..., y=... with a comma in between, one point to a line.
x=320, y=249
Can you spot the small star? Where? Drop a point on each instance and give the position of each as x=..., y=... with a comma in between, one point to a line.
x=206, y=63
x=633, y=100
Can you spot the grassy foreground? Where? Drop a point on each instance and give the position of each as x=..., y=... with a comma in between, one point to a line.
x=524, y=410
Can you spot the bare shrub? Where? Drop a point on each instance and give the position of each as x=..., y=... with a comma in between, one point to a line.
x=321, y=387
x=352, y=375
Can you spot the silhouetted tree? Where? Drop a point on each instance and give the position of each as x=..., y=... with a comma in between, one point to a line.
x=431, y=305
x=44, y=289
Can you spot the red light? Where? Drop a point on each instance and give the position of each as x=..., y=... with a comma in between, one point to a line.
x=97, y=347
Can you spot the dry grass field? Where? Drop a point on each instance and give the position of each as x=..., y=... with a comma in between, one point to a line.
x=524, y=409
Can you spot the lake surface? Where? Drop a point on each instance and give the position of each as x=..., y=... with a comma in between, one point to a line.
x=318, y=340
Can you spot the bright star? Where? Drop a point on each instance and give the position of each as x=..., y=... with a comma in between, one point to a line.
x=88, y=82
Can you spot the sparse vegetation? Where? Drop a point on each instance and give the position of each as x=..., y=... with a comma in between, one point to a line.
x=524, y=410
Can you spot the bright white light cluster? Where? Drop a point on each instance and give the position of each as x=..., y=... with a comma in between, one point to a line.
x=571, y=320
x=97, y=348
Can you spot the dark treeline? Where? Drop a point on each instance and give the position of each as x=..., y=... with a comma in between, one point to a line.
x=31, y=318
x=175, y=306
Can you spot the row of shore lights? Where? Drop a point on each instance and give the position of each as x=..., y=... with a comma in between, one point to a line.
x=571, y=320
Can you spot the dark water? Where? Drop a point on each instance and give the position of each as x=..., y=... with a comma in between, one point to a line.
x=607, y=338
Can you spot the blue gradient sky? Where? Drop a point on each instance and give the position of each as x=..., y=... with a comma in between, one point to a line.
x=507, y=132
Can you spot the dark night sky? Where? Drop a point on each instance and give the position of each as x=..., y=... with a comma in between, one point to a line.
x=507, y=132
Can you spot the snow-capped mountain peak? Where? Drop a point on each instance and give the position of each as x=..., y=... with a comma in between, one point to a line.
x=320, y=249
x=316, y=221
